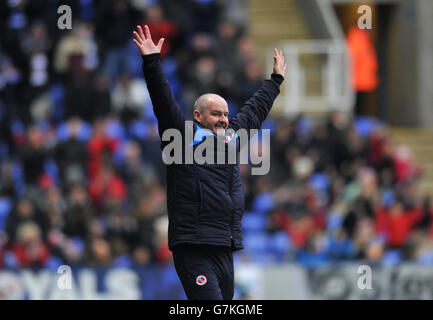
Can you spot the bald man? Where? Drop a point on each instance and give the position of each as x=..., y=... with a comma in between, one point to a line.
x=205, y=202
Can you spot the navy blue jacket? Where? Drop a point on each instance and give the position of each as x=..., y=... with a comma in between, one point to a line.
x=205, y=202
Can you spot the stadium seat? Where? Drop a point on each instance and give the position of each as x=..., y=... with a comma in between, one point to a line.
x=320, y=182
x=53, y=263
x=57, y=93
x=123, y=261
x=52, y=170
x=365, y=125
x=278, y=244
x=255, y=242
x=139, y=129
x=114, y=129
x=5, y=208
x=253, y=222
x=334, y=221
x=263, y=203
x=392, y=258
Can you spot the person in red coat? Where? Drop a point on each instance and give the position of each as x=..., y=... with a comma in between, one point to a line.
x=161, y=28
x=396, y=223
x=29, y=249
x=107, y=186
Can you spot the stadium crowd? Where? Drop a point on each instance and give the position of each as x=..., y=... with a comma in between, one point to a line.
x=81, y=176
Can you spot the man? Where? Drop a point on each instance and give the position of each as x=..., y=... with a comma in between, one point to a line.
x=205, y=201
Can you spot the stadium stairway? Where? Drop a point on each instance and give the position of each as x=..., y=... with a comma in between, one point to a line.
x=271, y=21
x=420, y=142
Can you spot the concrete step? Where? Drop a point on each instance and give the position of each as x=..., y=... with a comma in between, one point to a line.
x=420, y=142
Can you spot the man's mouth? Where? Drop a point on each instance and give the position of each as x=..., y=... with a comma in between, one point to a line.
x=220, y=125
x=220, y=129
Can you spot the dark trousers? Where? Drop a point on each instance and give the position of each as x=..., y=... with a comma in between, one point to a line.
x=206, y=272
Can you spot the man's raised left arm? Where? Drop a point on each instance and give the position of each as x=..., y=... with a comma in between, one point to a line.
x=256, y=109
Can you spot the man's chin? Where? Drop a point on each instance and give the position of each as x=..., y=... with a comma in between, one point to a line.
x=220, y=131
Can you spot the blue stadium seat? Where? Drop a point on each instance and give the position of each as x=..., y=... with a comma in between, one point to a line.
x=263, y=202
x=10, y=261
x=365, y=125
x=392, y=258
x=123, y=261
x=388, y=198
x=57, y=94
x=319, y=182
x=52, y=170
x=5, y=209
x=114, y=129
x=255, y=242
x=253, y=222
x=53, y=263
x=139, y=129
x=261, y=257
x=304, y=126
x=334, y=221
x=278, y=244
x=84, y=133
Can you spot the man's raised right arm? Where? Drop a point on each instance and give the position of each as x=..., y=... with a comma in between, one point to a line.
x=164, y=105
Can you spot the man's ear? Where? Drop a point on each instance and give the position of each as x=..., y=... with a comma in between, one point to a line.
x=197, y=115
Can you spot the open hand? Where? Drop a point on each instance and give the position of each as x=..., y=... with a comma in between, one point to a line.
x=144, y=41
x=279, y=65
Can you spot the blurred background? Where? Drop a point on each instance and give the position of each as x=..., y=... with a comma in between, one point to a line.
x=351, y=177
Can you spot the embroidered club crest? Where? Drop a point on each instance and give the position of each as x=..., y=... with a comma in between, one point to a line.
x=201, y=280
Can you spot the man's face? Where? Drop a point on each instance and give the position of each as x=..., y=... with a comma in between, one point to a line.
x=214, y=116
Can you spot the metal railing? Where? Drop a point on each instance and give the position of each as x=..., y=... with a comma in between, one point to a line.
x=333, y=70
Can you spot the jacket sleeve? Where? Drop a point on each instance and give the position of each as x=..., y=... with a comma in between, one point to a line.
x=256, y=109
x=166, y=110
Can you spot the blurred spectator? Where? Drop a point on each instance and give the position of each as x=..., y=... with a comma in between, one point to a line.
x=364, y=65
x=136, y=171
x=405, y=167
x=147, y=213
x=54, y=206
x=10, y=77
x=120, y=224
x=33, y=156
x=115, y=22
x=8, y=186
x=36, y=46
x=252, y=80
x=130, y=98
x=206, y=15
x=226, y=44
x=106, y=187
x=161, y=28
x=79, y=213
x=78, y=51
x=100, y=148
x=101, y=100
x=364, y=203
x=200, y=79
x=396, y=223
x=141, y=256
x=71, y=155
x=78, y=99
x=25, y=211
x=29, y=248
x=99, y=253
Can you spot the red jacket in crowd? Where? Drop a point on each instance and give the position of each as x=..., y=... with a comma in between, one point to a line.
x=396, y=224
